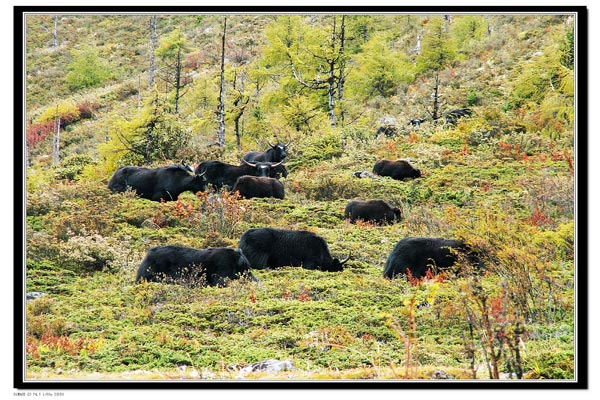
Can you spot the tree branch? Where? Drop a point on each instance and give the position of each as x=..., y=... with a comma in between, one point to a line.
x=316, y=85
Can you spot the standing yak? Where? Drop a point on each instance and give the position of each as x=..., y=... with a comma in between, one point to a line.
x=275, y=248
x=400, y=169
x=421, y=253
x=375, y=211
x=189, y=266
x=275, y=153
x=165, y=183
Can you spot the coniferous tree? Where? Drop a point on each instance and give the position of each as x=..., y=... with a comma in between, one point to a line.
x=437, y=53
x=87, y=69
x=171, y=51
x=309, y=60
x=152, y=134
x=379, y=70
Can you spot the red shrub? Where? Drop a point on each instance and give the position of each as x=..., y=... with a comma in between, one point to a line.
x=87, y=109
x=38, y=132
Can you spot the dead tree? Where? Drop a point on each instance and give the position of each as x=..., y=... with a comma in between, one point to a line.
x=153, y=41
x=221, y=111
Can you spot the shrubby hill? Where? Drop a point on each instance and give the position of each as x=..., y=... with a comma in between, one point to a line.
x=342, y=89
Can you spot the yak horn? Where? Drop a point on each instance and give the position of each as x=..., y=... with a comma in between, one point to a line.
x=344, y=261
x=250, y=164
x=203, y=172
x=276, y=164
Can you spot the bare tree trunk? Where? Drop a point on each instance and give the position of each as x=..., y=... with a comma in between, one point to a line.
x=331, y=80
x=153, y=41
x=436, y=96
x=239, y=106
x=56, y=139
x=331, y=94
x=55, y=33
x=178, y=67
x=139, y=94
x=342, y=66
x=417, y=48
x=221, y=135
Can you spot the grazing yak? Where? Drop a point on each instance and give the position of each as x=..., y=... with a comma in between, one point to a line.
x=275, y=153
x=258, y=186
x=220, y=174
x=400, y=169
x=189, y=266
x=165, y=183
x=375, y=211
x=275, y=248
x=452, y=116
x=422, y=253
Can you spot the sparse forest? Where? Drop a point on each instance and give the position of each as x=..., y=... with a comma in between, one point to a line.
x=482, y=105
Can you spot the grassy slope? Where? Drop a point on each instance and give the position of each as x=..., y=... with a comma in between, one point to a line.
x=346, y=325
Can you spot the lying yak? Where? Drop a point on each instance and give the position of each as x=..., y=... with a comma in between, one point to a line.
x=193, y=267
x=422, y=253
x=275, y=248
x=375, y=211
x=400, y=169
x=220, y=174
x=164, y=183
x=258, y=186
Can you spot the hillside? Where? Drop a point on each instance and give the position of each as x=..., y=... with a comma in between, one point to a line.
x=342, y=90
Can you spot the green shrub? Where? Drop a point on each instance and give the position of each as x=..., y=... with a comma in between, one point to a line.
x=72, y=166
x=40, y=326
x=43, y=305
x=551, y=365
x=87, y=69
x=317, y=148
x=68, y=112
x=331, y=188
x=473, y=99
x=84, y=254
x=41, y=202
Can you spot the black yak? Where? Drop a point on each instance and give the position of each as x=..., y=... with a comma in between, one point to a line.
x=400, y=169
x=275, y=248
x=452, y=116
x=258, y=186
x=375, y=211
x=275, y=153
x=192, y=267
x=165, y=183
x=420, y=254
x=220, y=174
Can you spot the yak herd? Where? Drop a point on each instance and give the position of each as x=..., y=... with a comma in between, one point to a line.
x=259, y=248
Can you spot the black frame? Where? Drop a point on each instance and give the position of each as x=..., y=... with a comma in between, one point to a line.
x=581, y=182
